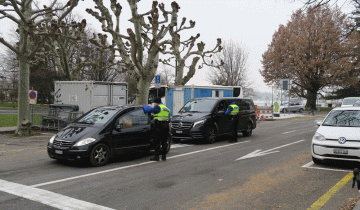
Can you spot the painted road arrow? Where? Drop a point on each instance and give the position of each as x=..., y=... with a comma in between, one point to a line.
x=258, y=152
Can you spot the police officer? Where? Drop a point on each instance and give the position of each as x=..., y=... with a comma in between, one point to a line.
x=161, y=118
x=233, y=110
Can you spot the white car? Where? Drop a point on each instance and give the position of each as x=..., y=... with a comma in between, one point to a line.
x=349, y=101
x=338, y=137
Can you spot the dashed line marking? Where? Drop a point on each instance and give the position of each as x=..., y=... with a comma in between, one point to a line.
x=289, y=132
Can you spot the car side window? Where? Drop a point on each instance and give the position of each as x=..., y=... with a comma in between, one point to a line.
x=222, y=106
x=134, y=118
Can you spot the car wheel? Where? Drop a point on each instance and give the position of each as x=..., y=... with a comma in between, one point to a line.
x=316, y=161
x=210, y=135
x=248, y=130
x=100, y=155
x=301, y=110
x=168, y=145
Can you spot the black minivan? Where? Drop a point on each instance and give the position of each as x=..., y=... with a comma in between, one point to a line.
x=104, y=132
x=205, y=118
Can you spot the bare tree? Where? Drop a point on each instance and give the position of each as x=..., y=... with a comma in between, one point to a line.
x=233, y=71
x=31, y=25
x=181, y=51
x=166, y=75
x=143, y=37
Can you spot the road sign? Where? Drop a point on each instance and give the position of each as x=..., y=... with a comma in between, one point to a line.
x=32, y=96
x=157, y=81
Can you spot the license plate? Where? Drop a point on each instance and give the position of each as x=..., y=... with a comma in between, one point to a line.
x=340, y=151
x=60, y=152
x=178, y=131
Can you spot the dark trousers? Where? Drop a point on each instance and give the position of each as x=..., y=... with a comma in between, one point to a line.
x=161, y=135
x=235, y=122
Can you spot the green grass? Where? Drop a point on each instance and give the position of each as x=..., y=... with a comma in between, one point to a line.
x=8, y=120
x=8, y=105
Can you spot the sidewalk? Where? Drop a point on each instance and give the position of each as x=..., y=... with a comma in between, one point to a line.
x=7, y=129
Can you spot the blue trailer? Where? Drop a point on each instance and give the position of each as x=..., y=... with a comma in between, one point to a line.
x=176, y=97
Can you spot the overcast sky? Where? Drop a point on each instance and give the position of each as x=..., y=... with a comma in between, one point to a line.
x=249, y=22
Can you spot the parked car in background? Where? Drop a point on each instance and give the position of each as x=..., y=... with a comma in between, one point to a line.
x=205, y=118
x=338, y=137
x=102, y=133
x=349, y=101
x=294, y=107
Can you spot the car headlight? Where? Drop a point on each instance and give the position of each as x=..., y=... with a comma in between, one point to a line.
x=198, y=123
x=84, y=142
x=318, y=137
x=52, y=139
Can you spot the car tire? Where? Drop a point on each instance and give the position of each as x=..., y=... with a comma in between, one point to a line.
x=99, y=155
x=301, y=110
x=169, y=145
x=316, y=161
x=248, y=130
x=210, y=135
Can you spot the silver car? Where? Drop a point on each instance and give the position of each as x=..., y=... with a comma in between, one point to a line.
x=294, y=107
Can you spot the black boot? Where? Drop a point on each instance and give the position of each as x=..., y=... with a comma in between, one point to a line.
x=163, y=157
x=156, y=158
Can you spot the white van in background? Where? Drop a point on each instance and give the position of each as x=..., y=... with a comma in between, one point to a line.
x=349, y=101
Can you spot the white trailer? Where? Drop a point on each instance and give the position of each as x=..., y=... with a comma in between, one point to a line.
x=90, y=94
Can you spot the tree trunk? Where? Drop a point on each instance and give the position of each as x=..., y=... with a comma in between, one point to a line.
x=311, y=99
x=23, y=96
x=143, y=87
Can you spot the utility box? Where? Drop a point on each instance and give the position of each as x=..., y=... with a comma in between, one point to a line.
x=176, y=97
x=90, y=94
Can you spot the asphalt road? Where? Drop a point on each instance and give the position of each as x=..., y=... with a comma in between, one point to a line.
x=271, y=169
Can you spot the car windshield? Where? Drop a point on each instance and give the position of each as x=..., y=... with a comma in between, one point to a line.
x=349, y=101
x=97, y=116
x=199, y=106
x=343, y=118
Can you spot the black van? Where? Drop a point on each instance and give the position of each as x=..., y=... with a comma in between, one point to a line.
x=206, y=118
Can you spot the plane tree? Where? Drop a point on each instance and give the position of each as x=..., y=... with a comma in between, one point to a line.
x=314, y=50
x=31, y=23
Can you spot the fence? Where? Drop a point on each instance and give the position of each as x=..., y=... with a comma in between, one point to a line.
x=53, y=116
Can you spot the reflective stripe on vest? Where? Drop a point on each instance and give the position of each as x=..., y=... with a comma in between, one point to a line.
x=164, y=113
x=235, y=109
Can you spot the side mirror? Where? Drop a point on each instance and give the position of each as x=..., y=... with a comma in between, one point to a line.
x=221, y=112
x=319, y=123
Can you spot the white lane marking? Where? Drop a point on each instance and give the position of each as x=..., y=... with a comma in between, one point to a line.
x=258, y=152
x=327, y=169
x=289, y=132
x=130, y=166
x=204, y=150
x=179, y=145
x=47, y=197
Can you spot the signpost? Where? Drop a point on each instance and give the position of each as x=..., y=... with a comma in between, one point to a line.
x=157, y=84
x=32, y=97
